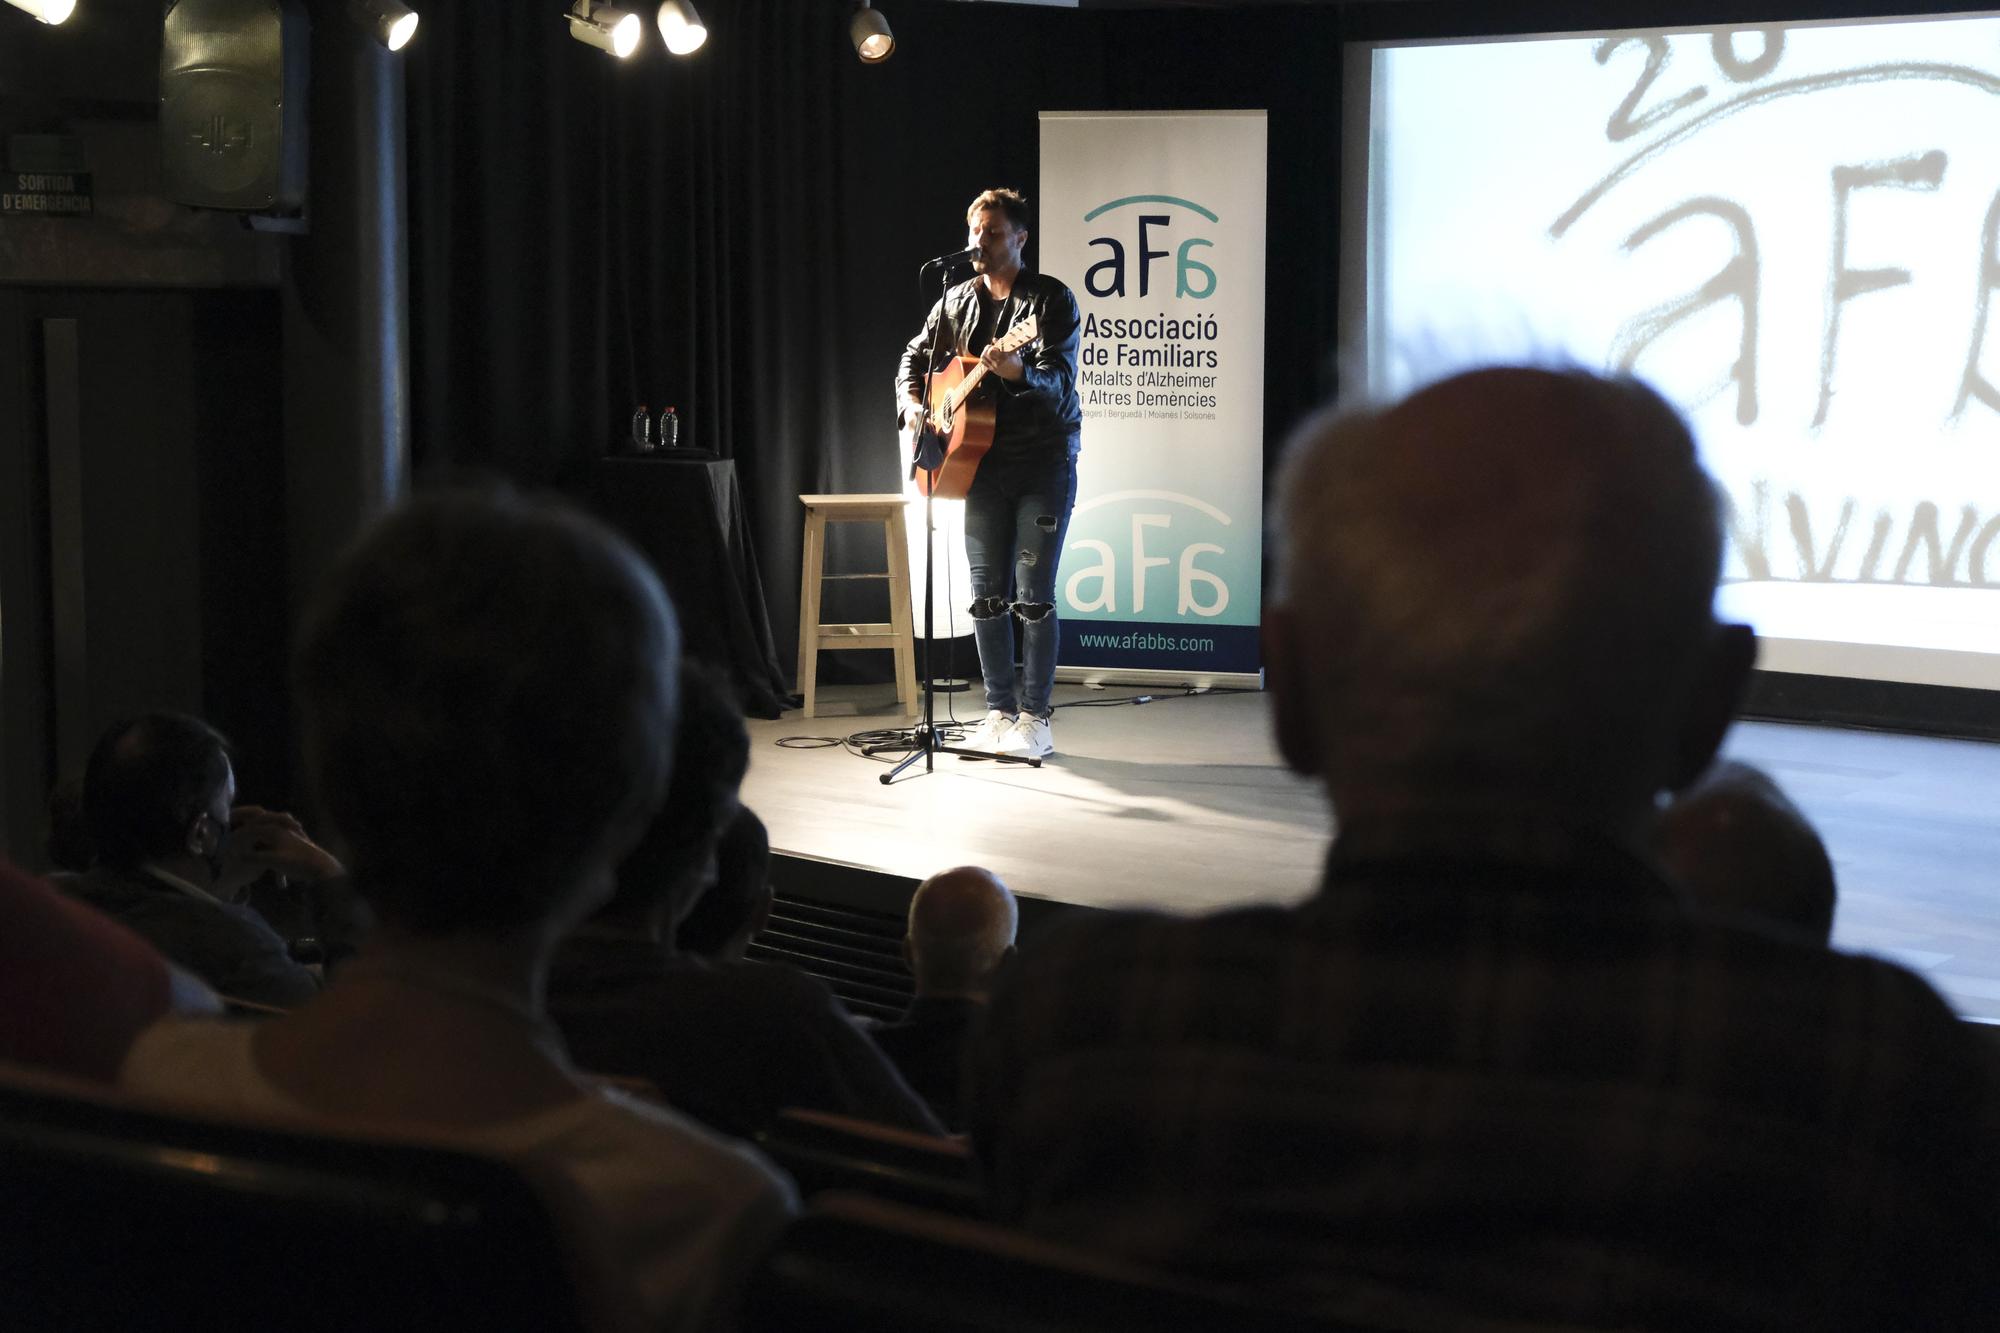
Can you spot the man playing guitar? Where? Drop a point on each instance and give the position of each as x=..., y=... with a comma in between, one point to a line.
x=1018, y=505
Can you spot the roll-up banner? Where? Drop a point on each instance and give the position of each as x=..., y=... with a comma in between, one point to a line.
x=1156, y=221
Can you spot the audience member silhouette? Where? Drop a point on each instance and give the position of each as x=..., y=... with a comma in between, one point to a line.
x=961, y=932
x=488, y=697
x=75, y=986
x=729, y=1043
x=1497, y=1069
x=735, y=906
x=173, y=854
x=1738, y=845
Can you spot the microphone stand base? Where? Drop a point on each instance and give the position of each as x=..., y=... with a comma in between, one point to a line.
x=926, y=745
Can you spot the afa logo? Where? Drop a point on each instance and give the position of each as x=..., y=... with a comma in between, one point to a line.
x=1195, y=590
x=1193, y=279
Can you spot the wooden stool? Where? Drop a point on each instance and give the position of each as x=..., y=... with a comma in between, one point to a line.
x=897, y=633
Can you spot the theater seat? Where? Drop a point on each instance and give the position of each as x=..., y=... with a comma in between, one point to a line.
x=856, y=1264
x=118, y=1217
x=822, y=1151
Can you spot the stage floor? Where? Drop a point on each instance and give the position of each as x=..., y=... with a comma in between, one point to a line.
x=1182, y=804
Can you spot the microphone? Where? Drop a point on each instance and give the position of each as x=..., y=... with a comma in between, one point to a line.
x=955, y=257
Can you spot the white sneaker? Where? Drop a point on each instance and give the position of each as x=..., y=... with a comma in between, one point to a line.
x=1029, y=739
x=989, y=735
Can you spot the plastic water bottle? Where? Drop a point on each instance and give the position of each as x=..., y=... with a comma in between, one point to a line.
x=670, y=429
x=642, y=431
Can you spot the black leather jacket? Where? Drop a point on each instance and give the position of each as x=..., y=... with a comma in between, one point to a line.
x=1042, y=411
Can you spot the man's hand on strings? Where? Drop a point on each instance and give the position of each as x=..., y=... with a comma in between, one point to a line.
x=1007, y=365
x=913, y=416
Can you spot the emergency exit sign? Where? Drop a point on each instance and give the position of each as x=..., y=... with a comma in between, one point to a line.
x=47, y=193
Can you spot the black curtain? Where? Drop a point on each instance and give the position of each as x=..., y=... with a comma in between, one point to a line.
x=737, y=234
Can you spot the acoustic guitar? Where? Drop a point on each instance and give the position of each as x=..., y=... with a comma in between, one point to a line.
x=946, y=449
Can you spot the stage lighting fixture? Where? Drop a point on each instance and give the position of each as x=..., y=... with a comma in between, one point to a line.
x=387, y=21
x=870, y=33
x=48, y=11
x=681, y=28
x=605, y=27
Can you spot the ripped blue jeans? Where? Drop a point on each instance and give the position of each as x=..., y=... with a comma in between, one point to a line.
x=1016, y=515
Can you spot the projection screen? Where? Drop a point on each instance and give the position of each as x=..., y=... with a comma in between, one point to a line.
x=1792, y=230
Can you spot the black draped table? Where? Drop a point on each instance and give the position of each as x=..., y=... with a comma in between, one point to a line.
x=685, y=514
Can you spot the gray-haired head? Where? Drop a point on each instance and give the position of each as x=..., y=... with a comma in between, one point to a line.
x=1501, y=589
x=961, y=928
x=489, y=685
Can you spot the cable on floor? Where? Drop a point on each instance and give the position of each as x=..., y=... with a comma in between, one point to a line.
x=895, y=742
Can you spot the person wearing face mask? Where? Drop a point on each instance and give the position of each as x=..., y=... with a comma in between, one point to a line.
x=172, y=855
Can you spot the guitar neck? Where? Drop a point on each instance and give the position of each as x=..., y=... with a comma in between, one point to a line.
x=958, y=396
x=1022, y=334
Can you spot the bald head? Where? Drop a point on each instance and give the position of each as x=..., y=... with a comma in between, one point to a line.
x=1501, y=586
x=149, y=783
x=1737, y=844
x=962, y=924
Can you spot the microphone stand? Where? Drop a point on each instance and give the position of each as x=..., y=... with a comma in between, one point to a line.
x=925, y=743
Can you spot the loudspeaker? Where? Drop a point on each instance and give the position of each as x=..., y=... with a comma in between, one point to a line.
x=233, y=104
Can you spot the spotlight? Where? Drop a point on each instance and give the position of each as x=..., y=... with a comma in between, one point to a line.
x=48, y=11
x=680, y=27
x=605, y=27
x=870, y=33
x=387, y=21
